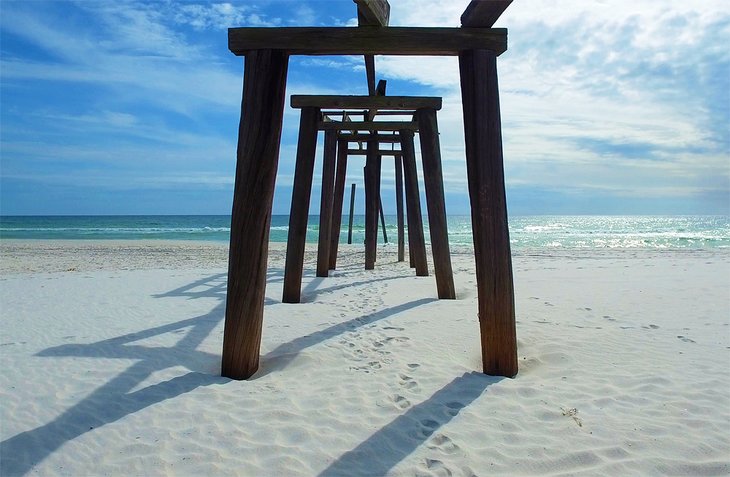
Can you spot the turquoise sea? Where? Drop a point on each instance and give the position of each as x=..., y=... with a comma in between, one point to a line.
x=526, y=232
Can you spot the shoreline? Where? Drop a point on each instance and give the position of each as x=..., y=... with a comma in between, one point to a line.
x=59, y=255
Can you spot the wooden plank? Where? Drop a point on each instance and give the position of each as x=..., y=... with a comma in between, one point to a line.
x=370, y=73
x=410, y=41
x=373, y=12
x=434, y=184
x=379, y=152
x=416, y=241
x=367, y=126
x=485, y=169
x=382, y=217
x=339, y=198
x=380, y=112
x=381, y=138
x=326, y=203
x=299, y=213
x=352, y=212
x=379, y=91
x=399, y=207
x=404, y=103
x=483, y=13
x=259, y=136
x=371, y=205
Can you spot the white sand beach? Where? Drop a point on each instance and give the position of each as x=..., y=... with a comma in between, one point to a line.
x=111, y=366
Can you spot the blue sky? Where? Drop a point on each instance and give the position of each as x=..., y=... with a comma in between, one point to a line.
x=608, y=107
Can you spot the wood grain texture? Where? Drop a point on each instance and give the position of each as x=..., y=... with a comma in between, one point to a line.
x=259, y=135
x=485, y=169
x=382, y=215
x=416, y=241
x=399, y=207
x=370, y=73
x=410, y=41
x=483, y=13
x=367, y=126
x=352, y=213
x=338, y=202
x=379, y=152
x=373, y=12
x=433, y=181
x=326, y=203
x=381, y=138
x=372, y=194
x=299, y=213
x=398, y=103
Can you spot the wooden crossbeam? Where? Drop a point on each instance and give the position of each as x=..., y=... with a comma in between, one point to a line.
x=381, y=138
x=379, y=152
x=483, y=13
x=380, y=112
x=418, y=41
x=373, y=12
x=400, y=103
x=368, y=126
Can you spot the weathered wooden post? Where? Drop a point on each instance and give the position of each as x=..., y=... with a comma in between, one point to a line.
x=326, y=204
x=382, y=215
x=372, y=180
x=434, y=184
x=259, y=136
x=483, y=139
x=339, y=199
x=416, y=240
x=352, y=212
x=485, y=171
x=266, y=51
x=299, y=213
x=399, y=206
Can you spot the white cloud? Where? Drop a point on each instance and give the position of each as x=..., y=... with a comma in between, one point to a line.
x=626, y=97
x=625, y=77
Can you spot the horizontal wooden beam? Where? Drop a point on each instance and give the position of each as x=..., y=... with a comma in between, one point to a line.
x=415, y=41
x=381, y=112
x=379, y=152
x=367, y=126
x=373, y=12
x=401, y=103
x=483, y=13
x=381, y=138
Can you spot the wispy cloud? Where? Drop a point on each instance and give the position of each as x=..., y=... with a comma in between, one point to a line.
x=619, y=99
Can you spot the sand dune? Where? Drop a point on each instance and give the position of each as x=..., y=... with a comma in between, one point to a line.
x=111, y=354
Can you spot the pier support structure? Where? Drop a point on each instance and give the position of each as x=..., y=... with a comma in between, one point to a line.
x=266, y=52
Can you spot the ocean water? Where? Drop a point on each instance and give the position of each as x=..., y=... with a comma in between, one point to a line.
x=526, y=232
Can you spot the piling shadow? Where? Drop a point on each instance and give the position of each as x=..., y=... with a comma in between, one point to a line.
x=311, y=291
x=114, y=400
x=281, y=356
x=382, y=451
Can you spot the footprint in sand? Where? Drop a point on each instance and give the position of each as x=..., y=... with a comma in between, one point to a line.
x=428, y=427
x=400, y=402
x=408, y=382
x=443, y=443
x=453, y=408
x=435, y=465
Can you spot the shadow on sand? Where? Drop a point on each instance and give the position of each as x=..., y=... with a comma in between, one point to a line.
x=382, y=451
x=116, y=399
